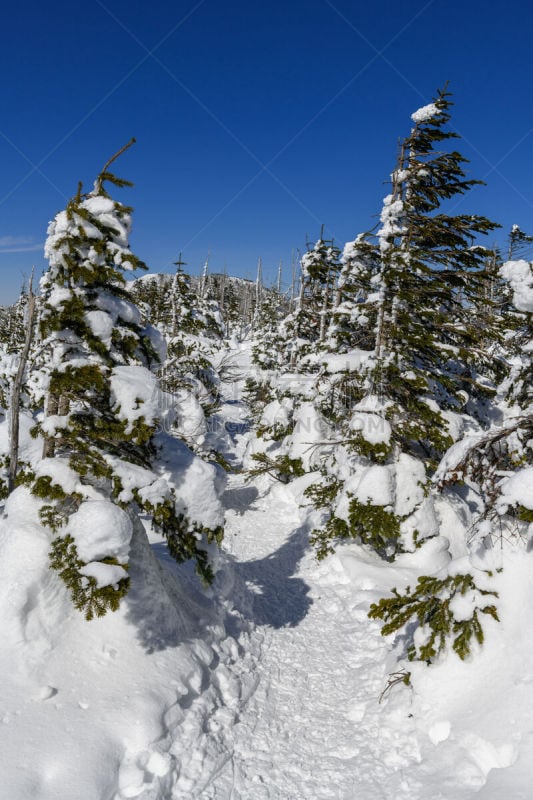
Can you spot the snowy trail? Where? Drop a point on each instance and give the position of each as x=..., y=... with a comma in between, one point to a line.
x=307, y=723
x=314, y=727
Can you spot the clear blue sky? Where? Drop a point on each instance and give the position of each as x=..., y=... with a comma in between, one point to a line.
x=255, y=122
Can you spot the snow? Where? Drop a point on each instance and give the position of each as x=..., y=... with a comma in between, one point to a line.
x=391, y=221
x=118, y=308
x=115, y=708
x=30, y=448
x=425, y=113
x=136, y=395
x=410, y=482
x=519, y=274
x=518, y=489
x=352, y=361
x=197, y=483
x=100, y=529
x=104, y=574
x=375, y=486
x=61, y=474
x=374, y=428
x=273, y=684
x=101, y=324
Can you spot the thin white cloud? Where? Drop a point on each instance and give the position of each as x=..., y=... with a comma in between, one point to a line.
x=15, y=241
x=19, y=244
x=30, y=249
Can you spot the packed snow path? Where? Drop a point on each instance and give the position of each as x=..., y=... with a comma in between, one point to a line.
x=314, y=728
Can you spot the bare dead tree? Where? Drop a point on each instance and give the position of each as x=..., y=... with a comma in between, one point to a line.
x=16, y=391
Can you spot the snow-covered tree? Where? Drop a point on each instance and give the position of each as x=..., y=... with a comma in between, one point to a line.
x=496, y=466
x=306, y=325
x=421, y=369
x=353, y=318
x=267, y=342
x=189, y=374
x=101, y=407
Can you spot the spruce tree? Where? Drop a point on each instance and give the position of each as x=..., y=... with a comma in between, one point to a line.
x=189, y=374
x=426, y=351
x=306, y=325
x=267, y=342
x=101, y=406
x=353, y=316
x=495, y=465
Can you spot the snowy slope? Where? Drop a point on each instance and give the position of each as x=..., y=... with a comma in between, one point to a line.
x=135, y=704
x=315, y=728
x=265, y=687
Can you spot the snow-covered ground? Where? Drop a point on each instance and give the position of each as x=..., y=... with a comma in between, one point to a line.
x=266, y=687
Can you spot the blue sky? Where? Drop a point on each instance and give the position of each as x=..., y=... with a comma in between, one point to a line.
x=255, y=122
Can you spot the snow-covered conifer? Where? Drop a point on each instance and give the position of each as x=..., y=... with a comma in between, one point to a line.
x=421, y=369
x=353, y=317
x=495, y=465
x=101, y=407
x=189, y=374
x=267, y=341
x=306, y=325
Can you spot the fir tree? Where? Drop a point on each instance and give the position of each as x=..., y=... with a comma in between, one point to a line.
x=353, y=317
x=101, y=406
x=425, y=351
x=495, y=465
x=189, y=374
x=307, y=324
x=267, y=342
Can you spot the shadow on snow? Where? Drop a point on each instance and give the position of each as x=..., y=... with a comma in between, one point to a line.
x=274, y=596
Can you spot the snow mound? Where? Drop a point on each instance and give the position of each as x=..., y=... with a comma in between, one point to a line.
x=100, y=529
x=139, y=703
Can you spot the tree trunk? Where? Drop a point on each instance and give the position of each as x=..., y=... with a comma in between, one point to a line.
x=14, y=427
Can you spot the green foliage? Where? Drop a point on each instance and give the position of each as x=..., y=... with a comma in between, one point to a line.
x=184, y=537
x=4, y=485
x=276, y=432
x=377, y=452
x=218, y=458
x=524, y=514
x=267, y=341
x=304, y=328
x=335, y=529
x=323, y=494
x=282, y=468
x=44, y=487
x=90, y=332
x=87, y=597
x=375, y=526
x=431, y=606
x=428, y=343
x=372, y=525
x=257, y=394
